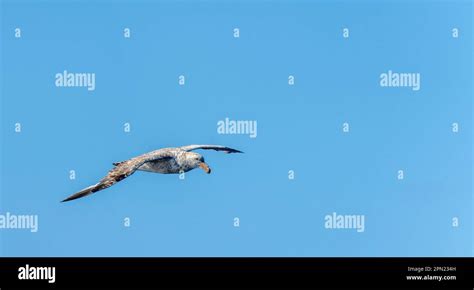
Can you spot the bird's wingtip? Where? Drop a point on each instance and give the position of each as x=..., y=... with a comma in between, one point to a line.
x=235, y=151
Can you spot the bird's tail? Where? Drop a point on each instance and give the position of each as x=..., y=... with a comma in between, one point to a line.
x=84, y=192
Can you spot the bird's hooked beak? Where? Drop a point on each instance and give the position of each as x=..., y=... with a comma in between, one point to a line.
x=205, y=167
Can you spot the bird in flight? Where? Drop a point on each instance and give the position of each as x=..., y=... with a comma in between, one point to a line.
x=166, y=160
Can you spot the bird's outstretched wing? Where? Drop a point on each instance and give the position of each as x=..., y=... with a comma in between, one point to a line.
x=213, y=147
x=121, y=171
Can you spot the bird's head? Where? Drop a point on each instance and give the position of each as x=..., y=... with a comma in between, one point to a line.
x=196, y=160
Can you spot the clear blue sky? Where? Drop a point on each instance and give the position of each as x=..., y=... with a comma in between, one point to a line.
x=246, y=78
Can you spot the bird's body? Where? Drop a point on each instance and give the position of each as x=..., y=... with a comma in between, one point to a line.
x=166, y=161
x=170, y=166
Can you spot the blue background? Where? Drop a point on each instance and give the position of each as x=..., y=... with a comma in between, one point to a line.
x=246, y=78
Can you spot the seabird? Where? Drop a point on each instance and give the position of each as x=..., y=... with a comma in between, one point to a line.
x=166, y=160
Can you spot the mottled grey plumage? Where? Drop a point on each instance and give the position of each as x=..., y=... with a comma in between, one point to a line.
x=166, y=161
